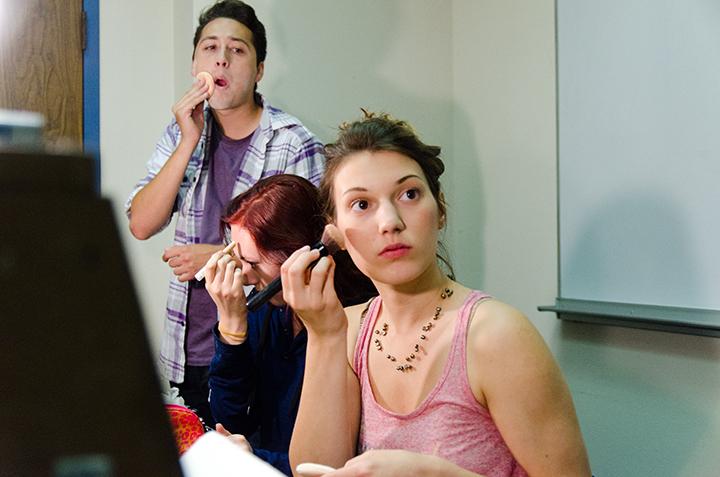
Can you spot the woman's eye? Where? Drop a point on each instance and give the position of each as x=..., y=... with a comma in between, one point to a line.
x=359, y=205
x=411, y=194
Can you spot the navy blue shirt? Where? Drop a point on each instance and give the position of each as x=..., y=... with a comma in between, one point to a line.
x=267, y=381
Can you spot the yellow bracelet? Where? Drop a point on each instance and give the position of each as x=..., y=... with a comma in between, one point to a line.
x=237, y=336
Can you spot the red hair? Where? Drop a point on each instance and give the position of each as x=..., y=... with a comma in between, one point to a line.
x=281, y=213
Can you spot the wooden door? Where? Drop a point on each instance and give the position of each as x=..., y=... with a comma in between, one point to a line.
x=41, y=43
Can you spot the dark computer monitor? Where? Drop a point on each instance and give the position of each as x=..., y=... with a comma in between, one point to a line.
x=79, y=394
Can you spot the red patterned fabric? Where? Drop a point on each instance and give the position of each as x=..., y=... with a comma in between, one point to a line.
x=186, y=425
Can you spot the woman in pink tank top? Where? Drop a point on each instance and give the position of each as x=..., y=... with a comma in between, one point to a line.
x=430, y=377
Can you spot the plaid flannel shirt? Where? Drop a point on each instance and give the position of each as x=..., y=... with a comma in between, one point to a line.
x=281, y=144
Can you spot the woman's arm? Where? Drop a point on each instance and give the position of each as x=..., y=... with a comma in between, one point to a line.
x=232, y=381
x=513, y=373
x=233, y=367
x=400, y=463
x=327, y=423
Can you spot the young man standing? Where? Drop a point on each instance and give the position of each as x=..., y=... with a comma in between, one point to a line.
x=206, y=156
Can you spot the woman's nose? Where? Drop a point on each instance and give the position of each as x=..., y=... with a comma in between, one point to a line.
x=248, y=274
x=389, y=219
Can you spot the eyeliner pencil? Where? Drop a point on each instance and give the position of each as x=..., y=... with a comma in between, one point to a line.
x=201, y=273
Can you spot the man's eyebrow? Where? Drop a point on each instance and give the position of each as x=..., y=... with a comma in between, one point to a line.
x=232, y=38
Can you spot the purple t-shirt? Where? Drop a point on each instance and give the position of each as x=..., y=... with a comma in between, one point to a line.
x=226, y=159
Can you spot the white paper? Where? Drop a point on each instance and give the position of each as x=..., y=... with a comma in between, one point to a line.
x=213, y=455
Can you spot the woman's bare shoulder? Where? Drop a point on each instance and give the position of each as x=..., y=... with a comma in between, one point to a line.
x=505, y=352
x=498, y=327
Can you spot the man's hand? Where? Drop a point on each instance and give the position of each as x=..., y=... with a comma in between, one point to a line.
x=152, y=207
x=186, y=260
x=188, y=111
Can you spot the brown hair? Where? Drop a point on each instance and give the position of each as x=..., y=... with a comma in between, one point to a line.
x=381, y=132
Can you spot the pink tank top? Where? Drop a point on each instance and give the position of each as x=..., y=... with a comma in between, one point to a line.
x=449, y=423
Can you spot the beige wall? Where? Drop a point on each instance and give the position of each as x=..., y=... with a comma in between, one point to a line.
x=476, y=77
x=136, y=94
x=647, y=401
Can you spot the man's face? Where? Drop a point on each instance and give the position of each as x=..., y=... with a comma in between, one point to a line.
x=226, y=51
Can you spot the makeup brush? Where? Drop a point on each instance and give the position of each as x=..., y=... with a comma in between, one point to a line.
x=330, y=243
x=201, y=273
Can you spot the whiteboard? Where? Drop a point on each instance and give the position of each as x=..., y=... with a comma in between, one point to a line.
x=638, y=84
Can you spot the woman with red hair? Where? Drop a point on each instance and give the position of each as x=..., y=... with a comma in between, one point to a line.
x=258, y=366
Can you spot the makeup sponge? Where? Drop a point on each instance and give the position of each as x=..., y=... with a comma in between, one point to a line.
x=207, y=77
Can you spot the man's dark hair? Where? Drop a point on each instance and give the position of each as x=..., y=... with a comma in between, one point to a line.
x=240, y=12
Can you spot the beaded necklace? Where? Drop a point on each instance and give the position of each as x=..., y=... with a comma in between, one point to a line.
x=426, y=329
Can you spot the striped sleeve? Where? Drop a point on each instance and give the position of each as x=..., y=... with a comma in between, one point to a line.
x=306, y=156
x=163, y=150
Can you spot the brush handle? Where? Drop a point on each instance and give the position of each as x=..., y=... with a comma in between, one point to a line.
x=261, y=297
